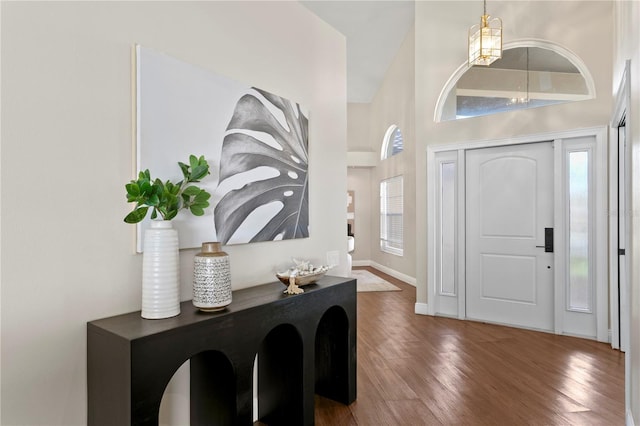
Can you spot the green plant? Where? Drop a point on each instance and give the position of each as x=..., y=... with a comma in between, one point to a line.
x=166, y=199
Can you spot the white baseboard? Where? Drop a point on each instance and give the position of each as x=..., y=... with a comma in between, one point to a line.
x=421, y=309
x=630, y=421
x=395, y=274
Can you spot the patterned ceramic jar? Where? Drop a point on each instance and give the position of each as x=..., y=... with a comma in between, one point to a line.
x=211, y=278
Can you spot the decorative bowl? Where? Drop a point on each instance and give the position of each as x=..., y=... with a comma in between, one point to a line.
x=300, y=279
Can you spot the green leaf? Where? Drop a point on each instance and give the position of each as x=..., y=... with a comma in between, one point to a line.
x=170, y=215
x=154, y=214
x=154, y=200
x=172, y=203
x=202, y=197
x=146, y=188
x=200, y=206
x=191, y=191
x=184, y=168
x=193, y=161
x=136, y=215
x=198, y=173
x=145, y=175
x=197, y=210
x=133, y=189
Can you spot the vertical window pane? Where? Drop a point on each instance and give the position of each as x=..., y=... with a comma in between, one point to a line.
x=579, y=269
x=397, y=142
x=391, y=209
x=447, y=229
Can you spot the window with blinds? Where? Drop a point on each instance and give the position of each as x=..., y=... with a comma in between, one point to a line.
x=391, y=209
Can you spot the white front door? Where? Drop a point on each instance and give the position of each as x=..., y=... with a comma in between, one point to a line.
x=509, y=203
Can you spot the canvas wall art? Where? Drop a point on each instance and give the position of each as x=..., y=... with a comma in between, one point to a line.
x=256, y=144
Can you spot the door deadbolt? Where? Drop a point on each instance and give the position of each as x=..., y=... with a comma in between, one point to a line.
x=548, y=240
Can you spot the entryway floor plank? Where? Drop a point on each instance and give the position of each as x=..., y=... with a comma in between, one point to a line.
x=423, y=370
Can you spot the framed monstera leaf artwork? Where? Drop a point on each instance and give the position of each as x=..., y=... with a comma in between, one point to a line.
x=255, y=142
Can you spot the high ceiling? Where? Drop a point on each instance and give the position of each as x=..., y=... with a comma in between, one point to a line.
x=374, y=31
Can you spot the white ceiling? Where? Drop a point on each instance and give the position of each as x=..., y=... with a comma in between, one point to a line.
x=374, y=31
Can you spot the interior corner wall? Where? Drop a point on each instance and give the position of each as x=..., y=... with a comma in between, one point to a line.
x=358, y=116
x=627, y=47
x=441, y=49
x=67, y=151
x=359, y=180
x=394, y=103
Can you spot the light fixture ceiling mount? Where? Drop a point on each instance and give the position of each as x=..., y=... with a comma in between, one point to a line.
x=485, y=40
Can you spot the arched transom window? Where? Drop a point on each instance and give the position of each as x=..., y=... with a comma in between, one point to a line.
x=531, y=73
x=393, y=142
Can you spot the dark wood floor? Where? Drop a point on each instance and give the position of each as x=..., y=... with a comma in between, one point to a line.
x=422, y=370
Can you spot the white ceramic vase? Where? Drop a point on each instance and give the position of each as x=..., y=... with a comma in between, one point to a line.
x=160, y=271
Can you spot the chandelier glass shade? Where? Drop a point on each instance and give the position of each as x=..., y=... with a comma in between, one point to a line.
x=485, y=40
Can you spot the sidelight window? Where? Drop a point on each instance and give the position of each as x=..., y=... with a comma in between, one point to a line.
x=580, y=288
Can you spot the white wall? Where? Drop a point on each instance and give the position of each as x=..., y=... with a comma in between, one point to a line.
x=393, y=104
x=67, y=256
x=441, y=49
x=357, y=127
x=627, y=46
x=359, y=181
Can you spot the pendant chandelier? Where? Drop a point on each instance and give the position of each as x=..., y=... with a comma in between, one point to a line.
x=485, y=40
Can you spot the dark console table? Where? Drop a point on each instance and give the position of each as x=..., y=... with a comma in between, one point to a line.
x=305, y=344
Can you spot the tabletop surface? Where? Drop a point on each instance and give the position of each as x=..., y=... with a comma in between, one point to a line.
x=132, y=326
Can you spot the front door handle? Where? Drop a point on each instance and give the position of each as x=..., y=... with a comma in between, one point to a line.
x=548, y=240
